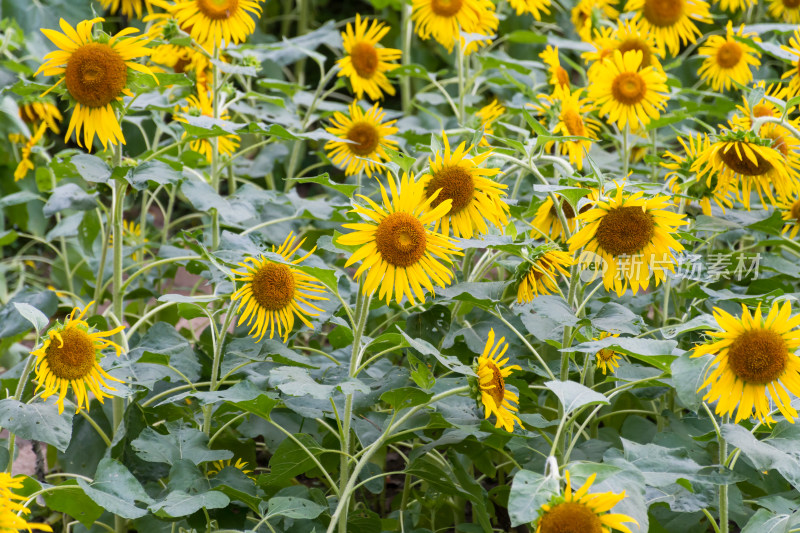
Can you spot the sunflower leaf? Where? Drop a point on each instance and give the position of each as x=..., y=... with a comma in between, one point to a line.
x=529, y=491
x=574, y=395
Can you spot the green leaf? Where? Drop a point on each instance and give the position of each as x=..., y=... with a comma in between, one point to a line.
x=38, y=421
x=574, y=395
x=405, y=397
x=241, y=392
x=69, y=196
x=325, y=180
x=38, y=319
x=529, y=491
x=449, y=361
x=116, y=490
x=182, y=442
x=260, y=406
x=17, y=198
x=763, y=455
x=296, y=381
x=91, y=168
x=688, y=374
x=290, y=460
x=179, y=503
x=155, y=171
x=74, y=502
x=616, y=318
x=298, y=508
x=630, y=345
x=163, y=345
x=526, y=37
x=764, y=521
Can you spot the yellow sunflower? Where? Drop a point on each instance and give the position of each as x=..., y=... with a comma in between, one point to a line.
x=672, y=22
x=627, y=94
x=366, y=64
x=534, y=7
x=493, y=369
x=214, y=21
x=399, y=250
x=488, y=114
x=574, y=120
x=486, y=25
x=70, y=355
x=547, y=222
x=364, y=139
x=733, y=6
x=587, y=16
x=444, y=20
x=771, y=104
x=558, y=76
x=633, y=236
x=25, y=164
x=128, y=8
x=793, y=74
x=131, y=236
x=202, y=105
x=95, y=72
x=785, y=10
x=790, y=213
x=607, y=359
x=728, y=59
x=541, y=274
x=753, y=356
x=180, y=58
x=273, y=293
x=35, y=110
x=240, y=464
x=475, y=197
x=10, y=521
x=584, y=511
x=626, y=37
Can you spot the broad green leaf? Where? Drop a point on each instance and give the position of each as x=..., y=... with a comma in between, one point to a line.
x=155, y=171
x=69, y=196
x=296, y=381
x=630, y=345
x=616, y=318
x=688, y=374
x=116, y=490
x=574, y=395
x=179, y=503
x=529, y=491
x=291, y=460
x=763, y=455
x=298, y=508
x=325, y=180
x=449, y=361
x=405, y=397
x=38, y=421
x=182, y=442
x=38, y=319
x=74, y=502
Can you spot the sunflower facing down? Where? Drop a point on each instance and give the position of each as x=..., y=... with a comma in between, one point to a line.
x=582, y=511
x=627, y=94
x=95, y=72
x=558, y=76
x=793, y=74
x=11, y=507
x=493, y=369
x=202, y=105
x=634, y=236
x=476, y=198
x=399, y=252
x=488, y=114
x=672, y=22
x=273, y=293
x=25, y=164
x=728, y=59
x=445, y=20
x=541, y=274
x=790, y=213
x=547, y=222
x=733, y=6
x=785, y=10
x=534, y=7
x=210, y=22
x=574, y=120
x=587, y=16
x=753, y=357
x=364, y=139
x=128, y=8
x=366, y=64
x=607, y=359
x=36, y=110
x=70, y=355
x=770, y=104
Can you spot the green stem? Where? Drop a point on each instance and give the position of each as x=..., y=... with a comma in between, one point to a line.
x=215, y=152
x=405, y=80
x=207, y=410
x=723, y=488
x=626, y=156
x=461, y=76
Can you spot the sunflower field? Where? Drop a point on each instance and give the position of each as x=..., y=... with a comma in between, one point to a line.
x=411, y=266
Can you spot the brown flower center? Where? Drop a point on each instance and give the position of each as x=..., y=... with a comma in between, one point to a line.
x=218, y=9
x=625, y=230
x=741, y=164
x=779, y=143
x=364, y=58
x=606, y=354
x=729, y=55
x=663, y=13
x=795, y=211
x=562, y=76
x=758, y=356
x=634, y=43
x=791, y=4
x=572, y=120
x=764, y=110
x=456, y=184
x=75, y=358
x=570, y=517
x=365, y=138
x=496, y=388
x=628, y=88
x=446, y=8
x=95, y=75
x=400, y=239
x=273, y=286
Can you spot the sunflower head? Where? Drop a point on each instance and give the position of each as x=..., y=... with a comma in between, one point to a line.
x=214, y=22
x=606, y=358
x=540, y=271
x=729, y=59
x=492, y=369
x=488, y=114
x=240, y=464
x=363, y=139
x=790, y=213
x=365, y=63
x=671, y=22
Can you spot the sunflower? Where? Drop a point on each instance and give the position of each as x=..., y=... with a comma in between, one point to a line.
x=785, y=10
x=558, y=76
x=541, y=274
x=10, y=506
x=210, y=22
x=587, y=16
x=733, y=6
x=486, y=25
x=218, y=466
x=627, y=94
x=534, y=7
x=770, y=104
x=634, y=237
x=744, y=157
x=445, y=20
x=584, y=511
x=273, y=293
x=475, y=197
x=793, y=74
x=574, y=120
x=364, y=139
x=626, y=37
x=366, y=64
x=547, y=222
x=131, y=236
x=728, y=59
x=753, y=355
x=790, y=213
x=70, y=355
x=32, y=111
x=202, y=105
x=397, y=248
x=607, y=359
x=180, y=58
x=672, y=22
x=492, y=370
x=128, y=8
x=488, y=114
x=25, y=164
x=95, y=72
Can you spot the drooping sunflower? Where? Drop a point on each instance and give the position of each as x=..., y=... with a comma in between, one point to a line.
x=627, y=94
x=607, y=359
x=25, y=164
x=131, y=236
x=547, y=222
x=70, y=355
x=486, y=25
x=493, y=369
x=95, y=72
x=790, y=213
x=240, y=464
x=634, y=237
x=10, y=521
x=541, y=273
x=488, y=114
x=728, y=59
x=559, y=77
x=587, y=16
x=582, y=511
x=672, y=22
x=210, y=22
x=574, y=120
x=364, y=139
x=627, y=36
x=476, y=198
x=128, y=8
x=202, y=105
x=273, y=293
x=366, y=64
x=534, y=7
x=444, y=20
x=785, y=10
x=34, y=110
x=793, y=74
x=753, y=356
x=399, y=251
x=732, y=6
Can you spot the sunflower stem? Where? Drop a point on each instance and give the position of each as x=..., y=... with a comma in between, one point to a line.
x=461, y=78
x=215, y=145
x=723, y=488
x=626, y=155
x=220, y=343
x=23, y=380
x=405, y=80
